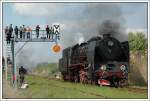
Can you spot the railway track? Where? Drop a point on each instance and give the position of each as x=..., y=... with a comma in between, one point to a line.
x=131, y=89
x=55, y=85
x=88, y=93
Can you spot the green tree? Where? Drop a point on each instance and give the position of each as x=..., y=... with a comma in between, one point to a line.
x=137, y=41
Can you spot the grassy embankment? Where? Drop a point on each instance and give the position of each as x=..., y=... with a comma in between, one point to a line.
x=41, y=87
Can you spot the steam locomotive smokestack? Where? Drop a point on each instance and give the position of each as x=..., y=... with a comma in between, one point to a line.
x=106, y=35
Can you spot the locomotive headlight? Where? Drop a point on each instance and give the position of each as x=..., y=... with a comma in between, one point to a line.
x=110, y=43
x=103, y=67
x=122, y=67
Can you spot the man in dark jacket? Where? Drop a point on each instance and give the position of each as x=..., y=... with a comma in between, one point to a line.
x=7, y=34
x=10, y=29
x=10, y=33
x=22, y=72
x=16, y=31
x=20, y=32
x=37, y=31
x=47, y=31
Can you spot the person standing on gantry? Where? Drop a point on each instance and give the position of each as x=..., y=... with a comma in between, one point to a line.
x=51, y=33
x=10, y=33
x=24, y=32
x=20, y=32
x=7, y=34
x=47, y=31
x=29, y=30
x=16, y=31
x=37, y=31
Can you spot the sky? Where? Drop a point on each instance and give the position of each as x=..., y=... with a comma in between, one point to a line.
x=78, y=21
x=135, y=14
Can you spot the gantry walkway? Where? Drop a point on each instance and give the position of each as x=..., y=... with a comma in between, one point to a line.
x=43, y=37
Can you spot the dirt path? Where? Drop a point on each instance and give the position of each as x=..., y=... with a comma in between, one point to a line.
x=9, y=91
x=137, y=90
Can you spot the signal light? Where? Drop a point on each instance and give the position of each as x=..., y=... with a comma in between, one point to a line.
x=56, y=48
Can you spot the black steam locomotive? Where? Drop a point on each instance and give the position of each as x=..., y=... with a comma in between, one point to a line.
x=101, y=60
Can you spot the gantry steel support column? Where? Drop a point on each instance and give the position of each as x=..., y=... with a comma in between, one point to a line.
x=14, y=70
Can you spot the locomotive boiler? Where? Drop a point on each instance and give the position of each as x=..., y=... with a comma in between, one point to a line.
x=100, y=60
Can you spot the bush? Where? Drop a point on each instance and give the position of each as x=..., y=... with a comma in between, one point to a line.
x=46, y=69
x=137, y=41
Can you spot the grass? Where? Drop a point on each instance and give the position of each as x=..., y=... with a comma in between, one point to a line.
x=40, y=87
